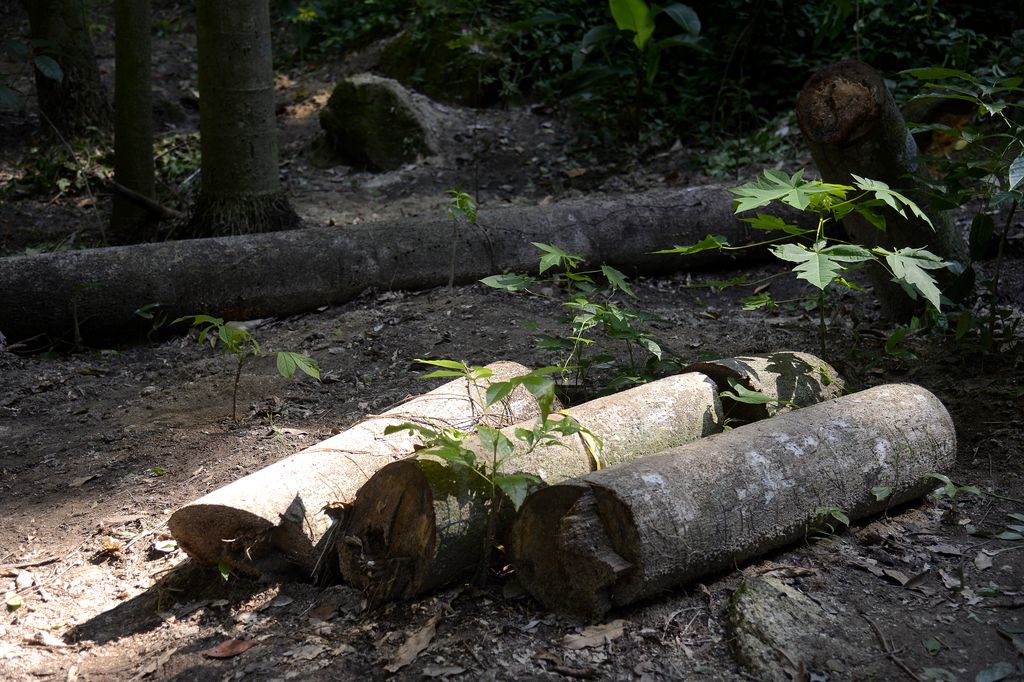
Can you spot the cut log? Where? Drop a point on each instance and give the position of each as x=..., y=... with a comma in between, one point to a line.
x=419, y=524
x=272, y=518
x=620, y=535
x=852, y=125
x=788, y=379
x=97, y=291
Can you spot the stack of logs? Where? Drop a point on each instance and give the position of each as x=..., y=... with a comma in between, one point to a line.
x=670, y=496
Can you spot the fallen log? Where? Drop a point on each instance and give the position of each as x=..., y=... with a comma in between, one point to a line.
x=786, y=380
x=95, y=292
x=270, y=520
x=620, y=535
x=852, y=125
x=419, y=524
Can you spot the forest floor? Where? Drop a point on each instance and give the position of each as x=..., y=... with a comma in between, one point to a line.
x=98, y=447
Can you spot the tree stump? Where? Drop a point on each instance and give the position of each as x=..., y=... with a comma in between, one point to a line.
x=629, y=532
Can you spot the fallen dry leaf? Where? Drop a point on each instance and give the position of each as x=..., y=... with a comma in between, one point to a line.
x=306, y=652
x=595, y=635
x=324, y=612
x=945, y=549
x=413, y=646
x=230, y=648
x=24, y=580
x=982, y=561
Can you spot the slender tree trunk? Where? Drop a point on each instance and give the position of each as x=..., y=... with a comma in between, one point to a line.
x=78, y=102
x=133, y=119
x=240, y=192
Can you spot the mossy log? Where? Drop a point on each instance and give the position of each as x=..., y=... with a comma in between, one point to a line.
x=419, y=524
x=787, y=379
x=852, y=125
x=272, y=519
x=620, y=535
x=95, y=292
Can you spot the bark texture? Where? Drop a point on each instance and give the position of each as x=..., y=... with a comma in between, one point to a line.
x=241, y=190
x=133, y=120
x=419, y=524
x=77, y=103
x=97, y=291
x=791, y=379
x=852, y=125
x=271, y=519
x=629, y=532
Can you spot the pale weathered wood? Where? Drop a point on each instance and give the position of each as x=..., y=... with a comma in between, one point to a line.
x=418, y=524
x=711, y=504
x=95, y=292
x=791, y=379
x=273, y=517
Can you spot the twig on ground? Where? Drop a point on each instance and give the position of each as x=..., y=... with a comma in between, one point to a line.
x=890, y=652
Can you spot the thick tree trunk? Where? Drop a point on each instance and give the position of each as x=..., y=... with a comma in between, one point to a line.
x=77, y=103
x=419, y=524
x=241, y=190
x=853, y=127
x=272, y=519
x=787, y=379
x=97, y=291
x=133, y=120
x=620, y=535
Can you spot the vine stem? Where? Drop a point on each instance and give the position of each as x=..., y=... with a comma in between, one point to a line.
x=234, y=393
x=998, y=270
x=821, y=321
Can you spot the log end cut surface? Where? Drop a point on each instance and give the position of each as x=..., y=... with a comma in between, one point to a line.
x=841, y=102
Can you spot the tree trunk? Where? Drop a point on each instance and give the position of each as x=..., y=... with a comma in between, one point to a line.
x=76, y=104
x=632, y=531
x=241, y=191
x=853, y=127
x=419, y=524
x=97, y=291
x=133, y=120
x=787, y=380
x=272, y=519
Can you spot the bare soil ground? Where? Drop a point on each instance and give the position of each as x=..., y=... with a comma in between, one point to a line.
x=99, y=446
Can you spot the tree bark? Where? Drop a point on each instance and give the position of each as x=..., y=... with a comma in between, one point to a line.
x=629, y=532
x=98, y=290
x=789, y=379
x=241, y=190
x=853, y=127
x=133, y=120
x=271, y=520
x=77, y=104
x=419, y=524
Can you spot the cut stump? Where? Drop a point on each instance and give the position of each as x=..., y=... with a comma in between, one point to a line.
x=270, y=520
x=419, y=524
x=620, y=535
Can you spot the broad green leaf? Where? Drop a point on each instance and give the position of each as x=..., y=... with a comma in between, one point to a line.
x=17, y=49
x=742, y=394
x=892, y=198
x=910, y=266
x=709, y=243
x=516, y=487
x=932, y=646
x=617, y=280
x=1008, y=535
x=593, y=38
x=776, y=186
x=448, y=364
x=494, y=441
x=224, y=568
x=982, y=229
x=812, y=265
x=758, y=301
x=543, y=389
x=49, y=68
x=881, y=492
x=552, y=256
x=509, y=282
x=848, y=253
x=936, y=73
x=9, y=97
x=1016, y=172
x=996, y=672
x=287, y=362
x=684, y=16
x=635, y=16
x=652, y=347
x=764, y=221
x=14, y=601
x=498, y=390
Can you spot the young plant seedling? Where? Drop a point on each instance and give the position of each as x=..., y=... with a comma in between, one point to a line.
x=826, y=260
x=235, y=340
